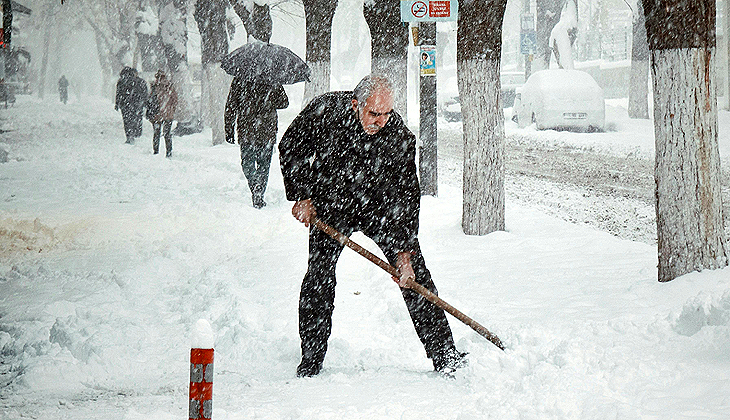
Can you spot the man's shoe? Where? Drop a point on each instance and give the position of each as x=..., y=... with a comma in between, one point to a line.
x=259, y=202
x=308, y=368
x=449, y=361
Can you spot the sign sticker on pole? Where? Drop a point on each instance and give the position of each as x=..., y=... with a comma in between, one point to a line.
x=428, y=60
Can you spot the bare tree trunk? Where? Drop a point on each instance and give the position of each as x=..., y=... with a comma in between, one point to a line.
x=479, y=47
x=210, y=16
x=639, y=87
x=125, y=52
x=105, y=64
x=318, y=15
x=389, y=47
x=217, y=83
x=690, y=229
x=173, y=31
x=57, y=49
x=46, y=46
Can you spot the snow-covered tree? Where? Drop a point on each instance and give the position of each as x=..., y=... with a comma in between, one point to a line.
x=548, y=14
x=563, y=35
x=479, y=47
x=256, y=18
x=174, y=37
x=681, y=36
x=149, y=44
x=639, y=87
x=48, y=27
x=210, y=16
x=318, y=15
x=389, y=46
x=113, y=24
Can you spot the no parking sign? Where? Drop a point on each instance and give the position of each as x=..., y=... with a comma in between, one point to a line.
x=428, y=10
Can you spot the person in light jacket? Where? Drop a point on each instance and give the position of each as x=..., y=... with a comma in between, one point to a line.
x=161, y=109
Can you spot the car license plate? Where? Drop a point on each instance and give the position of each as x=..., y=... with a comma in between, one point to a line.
x=575, y=115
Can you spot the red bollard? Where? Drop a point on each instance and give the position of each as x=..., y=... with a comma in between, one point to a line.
x=201, y=384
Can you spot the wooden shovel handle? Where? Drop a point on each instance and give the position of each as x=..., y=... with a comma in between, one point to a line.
x=430, y=296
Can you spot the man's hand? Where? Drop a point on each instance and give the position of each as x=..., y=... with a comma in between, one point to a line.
x=403, y=264
x=304, y=211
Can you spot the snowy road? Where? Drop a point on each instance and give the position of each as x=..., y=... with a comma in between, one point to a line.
x=611, y=191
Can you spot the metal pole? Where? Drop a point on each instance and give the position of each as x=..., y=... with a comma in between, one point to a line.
x=7, y=33
x=428, y=165
x=526, y=10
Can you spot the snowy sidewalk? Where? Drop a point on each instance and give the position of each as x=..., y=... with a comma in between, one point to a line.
x=110, y=255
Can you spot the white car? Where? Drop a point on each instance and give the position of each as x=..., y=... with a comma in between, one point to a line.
x=560, y=99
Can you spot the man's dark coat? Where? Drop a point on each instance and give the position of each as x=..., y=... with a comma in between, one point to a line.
x=356, y=182
x=252, y=106
x=327, y=156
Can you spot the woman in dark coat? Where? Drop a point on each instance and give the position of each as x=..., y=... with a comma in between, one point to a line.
x=161, y=109
x=131, y=98
x=253, y=107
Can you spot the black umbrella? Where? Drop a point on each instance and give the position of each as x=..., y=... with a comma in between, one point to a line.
x=264, y=62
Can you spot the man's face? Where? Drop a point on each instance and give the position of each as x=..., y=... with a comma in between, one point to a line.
x=376, y=112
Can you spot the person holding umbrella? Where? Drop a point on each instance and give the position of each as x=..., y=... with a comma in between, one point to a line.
x=259, y=69
x=252, y=106
x=348, y=159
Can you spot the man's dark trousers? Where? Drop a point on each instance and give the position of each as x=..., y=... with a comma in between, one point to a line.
x=256, y=162
x=316, y=300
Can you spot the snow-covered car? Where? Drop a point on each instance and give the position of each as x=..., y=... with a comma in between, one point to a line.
x=452, y=109
x=510, y=82
x=560, y=99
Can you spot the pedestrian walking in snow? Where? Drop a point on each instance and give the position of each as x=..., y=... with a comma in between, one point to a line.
x=161, y=108
x=252, y=106
x=63, y=89
x=131, y=97
x=349, y=160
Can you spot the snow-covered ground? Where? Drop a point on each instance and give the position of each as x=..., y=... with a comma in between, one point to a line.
x=109, y=255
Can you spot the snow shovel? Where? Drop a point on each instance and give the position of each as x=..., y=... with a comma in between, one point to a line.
x=431, y=297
